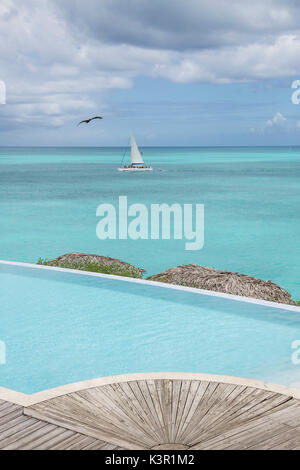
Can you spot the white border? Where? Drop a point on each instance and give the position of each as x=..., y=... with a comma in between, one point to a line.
x=159, y=284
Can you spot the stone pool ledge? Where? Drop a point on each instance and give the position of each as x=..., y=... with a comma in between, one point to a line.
x=26, y=400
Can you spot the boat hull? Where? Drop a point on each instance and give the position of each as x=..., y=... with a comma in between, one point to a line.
x=135, y=169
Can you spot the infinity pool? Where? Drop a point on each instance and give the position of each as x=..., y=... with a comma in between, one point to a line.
x=61, y=328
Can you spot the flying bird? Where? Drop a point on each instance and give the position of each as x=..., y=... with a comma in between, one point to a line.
x=87, y=121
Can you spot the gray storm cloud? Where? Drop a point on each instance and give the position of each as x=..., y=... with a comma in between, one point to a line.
x=182, y=25
x=57, y=56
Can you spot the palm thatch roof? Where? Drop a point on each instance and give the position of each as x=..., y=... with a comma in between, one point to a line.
x=224, y=281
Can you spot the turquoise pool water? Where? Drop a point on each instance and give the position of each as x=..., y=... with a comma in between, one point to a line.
x=61, y=328
x=49, y=197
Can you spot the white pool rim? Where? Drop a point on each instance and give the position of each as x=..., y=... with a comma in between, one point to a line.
x=158, y=284
x=26, y=400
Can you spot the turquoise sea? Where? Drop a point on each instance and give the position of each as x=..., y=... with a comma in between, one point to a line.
x=49, y=198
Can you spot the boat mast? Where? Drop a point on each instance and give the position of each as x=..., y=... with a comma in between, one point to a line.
x=125, y=153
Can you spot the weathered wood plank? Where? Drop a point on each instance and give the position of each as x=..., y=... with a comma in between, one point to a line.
x=9, y=409
x=204, y=412
x=11, y=420
x=182, y=401
x=98, y=445
x=42, y=433
x=195, y=396
x=140, y=389
x=21, y=433
x=245, y=411
x=75, y=442
x=282, y=441
x=57, y=437
x=287, y=415
x=241, y=436
x=107, y=432
x=155, y=403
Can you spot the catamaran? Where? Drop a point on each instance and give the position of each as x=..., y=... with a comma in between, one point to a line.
x=137, y=162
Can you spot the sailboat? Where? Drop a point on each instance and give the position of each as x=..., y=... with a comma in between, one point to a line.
x=137, y=162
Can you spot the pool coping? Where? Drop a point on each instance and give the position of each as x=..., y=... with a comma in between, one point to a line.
x=25, y=400
x=158, y=284
x=29, y=400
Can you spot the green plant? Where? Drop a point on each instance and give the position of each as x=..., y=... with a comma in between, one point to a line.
x=297, y=302
x=114, y=269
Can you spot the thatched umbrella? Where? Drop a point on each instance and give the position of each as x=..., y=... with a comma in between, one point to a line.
x=223, y=281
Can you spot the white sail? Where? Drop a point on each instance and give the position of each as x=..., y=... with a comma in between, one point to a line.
x=137, y=161
x=136, y=157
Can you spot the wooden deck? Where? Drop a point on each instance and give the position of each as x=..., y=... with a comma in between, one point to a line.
x=155, y=414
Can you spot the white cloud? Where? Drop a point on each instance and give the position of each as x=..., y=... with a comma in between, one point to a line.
x=277, y=120
x=278, y=124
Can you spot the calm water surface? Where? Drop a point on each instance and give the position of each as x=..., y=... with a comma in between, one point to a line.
x=49, y=197
x=64, y=328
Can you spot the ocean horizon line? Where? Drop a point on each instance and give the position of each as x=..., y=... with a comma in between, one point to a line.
x=148, y=146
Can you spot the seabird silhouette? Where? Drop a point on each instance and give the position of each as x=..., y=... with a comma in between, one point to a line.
x=87, y=121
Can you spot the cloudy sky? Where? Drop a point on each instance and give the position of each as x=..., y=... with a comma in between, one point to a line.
x=192, y=72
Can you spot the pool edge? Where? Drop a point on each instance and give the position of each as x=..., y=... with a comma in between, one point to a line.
x=237, y=298
x=25, y=400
